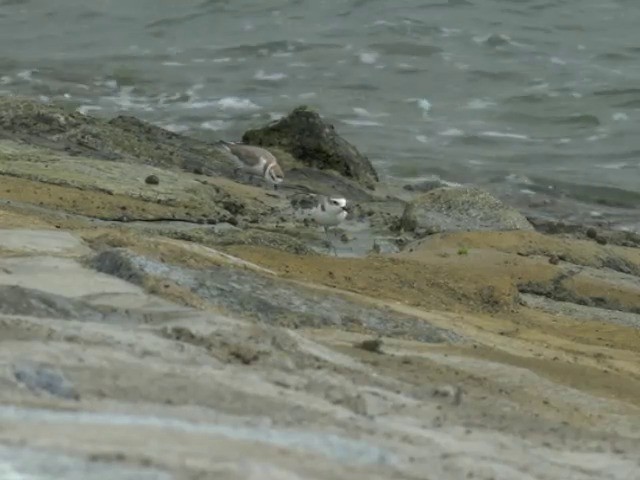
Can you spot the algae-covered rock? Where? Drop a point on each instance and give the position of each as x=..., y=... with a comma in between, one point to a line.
x=460, y=209
x=123, y=138
x=316, y=143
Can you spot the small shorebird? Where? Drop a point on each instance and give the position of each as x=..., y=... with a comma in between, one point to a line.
x=325, y=211
x=256, y=161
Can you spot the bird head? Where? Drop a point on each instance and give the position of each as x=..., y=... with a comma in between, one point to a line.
x=275, y=175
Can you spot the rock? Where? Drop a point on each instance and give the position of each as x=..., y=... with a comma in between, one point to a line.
x=42, y=241
x=266, y=298
x=371, y=345
x=124, y=138
x=100, y=189
x=315, y=143
x=591, y=233
x=460, y=209
x=42, y=378
x=425, y=186
x=152, y=180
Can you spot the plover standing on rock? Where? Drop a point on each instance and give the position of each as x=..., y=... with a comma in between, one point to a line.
x=323, y=210
x=256, y=161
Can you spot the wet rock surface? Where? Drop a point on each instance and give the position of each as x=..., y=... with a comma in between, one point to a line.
x=201, y=313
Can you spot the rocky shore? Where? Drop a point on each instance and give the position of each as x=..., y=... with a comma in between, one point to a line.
x=162, y=318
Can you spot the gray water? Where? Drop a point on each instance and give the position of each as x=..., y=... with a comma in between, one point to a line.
x=537, y=100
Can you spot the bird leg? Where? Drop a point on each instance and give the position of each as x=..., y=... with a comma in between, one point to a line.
x=331, y=245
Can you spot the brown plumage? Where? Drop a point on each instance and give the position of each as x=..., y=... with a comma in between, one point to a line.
x=256, y=161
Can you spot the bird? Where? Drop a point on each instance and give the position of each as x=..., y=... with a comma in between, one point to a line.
x=324, y=210
x=256, y=161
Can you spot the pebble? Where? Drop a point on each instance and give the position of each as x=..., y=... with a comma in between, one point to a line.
x=152, y=180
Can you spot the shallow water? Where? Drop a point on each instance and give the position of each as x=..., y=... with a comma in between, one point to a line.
x=531, y=98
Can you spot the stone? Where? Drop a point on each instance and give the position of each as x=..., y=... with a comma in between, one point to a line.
x=460, y=209
x=43, y=378
x=152, y=180
x=314, y=142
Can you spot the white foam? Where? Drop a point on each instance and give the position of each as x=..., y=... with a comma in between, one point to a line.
x=362, y=123
x=26, y=74
x=276, y=116
x=613, y=166
x=619, y=116
x=382, y=22
x=269, y=77
x=127, y=100
x=475, y=161
x=516, y=178
x=175, y=127
x=596, y=137
x=557, y=61
x=363, y=112
x=479, y=104
x=282, y=54
x=451, y=132
x=447, y=32
x=107, y=83
x=298, y=65
x=307, y=95
x=5, y=80
x=173, y=64
x=236, y=103
x=221, y=60
x=369, y=58
x=422, y=138
x=514, y=136
x=85, y=109
x=214, y=125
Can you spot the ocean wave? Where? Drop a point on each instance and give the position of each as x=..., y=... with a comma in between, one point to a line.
x=358, y=122
x=406, y=48
x=269, y=77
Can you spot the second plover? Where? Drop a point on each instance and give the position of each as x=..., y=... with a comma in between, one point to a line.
x=325, y=211
x=256, y=161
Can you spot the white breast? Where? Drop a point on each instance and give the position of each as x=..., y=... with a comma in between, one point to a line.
x=330, y=217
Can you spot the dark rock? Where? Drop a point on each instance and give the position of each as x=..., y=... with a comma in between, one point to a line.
x=371, y=345
x=425, y=186
x=592, y=233
x=554, y=260
x=601, y=240
x=41, y=378
x=315, y=143
x=152, y=180
x=460, y=209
